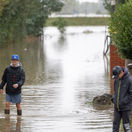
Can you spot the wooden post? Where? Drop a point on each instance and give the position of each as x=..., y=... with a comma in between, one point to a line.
x=129, y=65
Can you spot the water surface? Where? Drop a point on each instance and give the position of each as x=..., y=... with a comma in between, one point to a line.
x=63, y=74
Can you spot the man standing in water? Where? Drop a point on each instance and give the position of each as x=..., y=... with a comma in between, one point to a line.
x=122, y=98
x=13, y=77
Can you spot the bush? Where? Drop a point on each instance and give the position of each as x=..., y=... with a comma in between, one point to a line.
x=60, y=23
x=120, y=28
x=107, y=4
x=20, y=18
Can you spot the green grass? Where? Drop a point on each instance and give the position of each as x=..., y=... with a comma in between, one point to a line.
x=82, y=21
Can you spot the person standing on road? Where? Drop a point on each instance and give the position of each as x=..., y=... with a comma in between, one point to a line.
x=122, y=98
x=13, y=78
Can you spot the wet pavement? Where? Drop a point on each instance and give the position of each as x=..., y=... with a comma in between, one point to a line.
x=63, y=74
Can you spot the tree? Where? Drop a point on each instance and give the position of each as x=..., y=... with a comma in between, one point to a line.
x=108, y=6
x=2, y=4
x=121, y=1
x=25, y=17
x=60, y=23
x=120, y=28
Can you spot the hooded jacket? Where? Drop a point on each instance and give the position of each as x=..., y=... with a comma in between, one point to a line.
x=122, y=97
x=13, y=75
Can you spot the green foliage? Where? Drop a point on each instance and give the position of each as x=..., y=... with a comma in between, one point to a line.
x=122, y=1
x=121, y=29
x=25, y=17
x=60, y=23
x=107, y=4
x=81, y=21
x=2, y=4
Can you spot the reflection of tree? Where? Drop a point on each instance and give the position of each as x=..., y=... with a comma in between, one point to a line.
x=61, y=44
x=34, y=60
x=62, y=39
x=2, y=105
x=106, y=63
x=32, y=57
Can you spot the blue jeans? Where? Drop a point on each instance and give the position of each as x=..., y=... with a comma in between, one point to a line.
x=15, y=99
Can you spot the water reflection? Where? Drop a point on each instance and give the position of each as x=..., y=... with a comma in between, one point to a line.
x=106, y=63
x=8, y=125
x=64, y=73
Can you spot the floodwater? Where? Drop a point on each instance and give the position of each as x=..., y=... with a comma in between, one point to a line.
x=63, y=75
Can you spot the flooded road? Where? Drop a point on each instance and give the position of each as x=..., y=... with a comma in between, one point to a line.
x=63, y=75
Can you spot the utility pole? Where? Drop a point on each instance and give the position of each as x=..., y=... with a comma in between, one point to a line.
x=113, y=4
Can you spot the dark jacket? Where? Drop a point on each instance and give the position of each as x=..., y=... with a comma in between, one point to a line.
x=122, y=97
x=13, y=75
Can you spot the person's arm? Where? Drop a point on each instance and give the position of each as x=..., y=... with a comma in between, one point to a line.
x=113, y=96
x=128, y=98
x=22, y=80
x=4, y=80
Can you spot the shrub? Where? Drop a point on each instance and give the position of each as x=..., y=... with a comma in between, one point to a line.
x=25, y=17
x=120, y=28
x=60, y=23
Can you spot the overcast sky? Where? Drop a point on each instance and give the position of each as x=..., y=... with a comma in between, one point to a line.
x=88, y=0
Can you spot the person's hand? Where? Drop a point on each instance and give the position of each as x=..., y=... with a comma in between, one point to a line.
x=15, y=86
x=112, y=100
x=1, y=91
